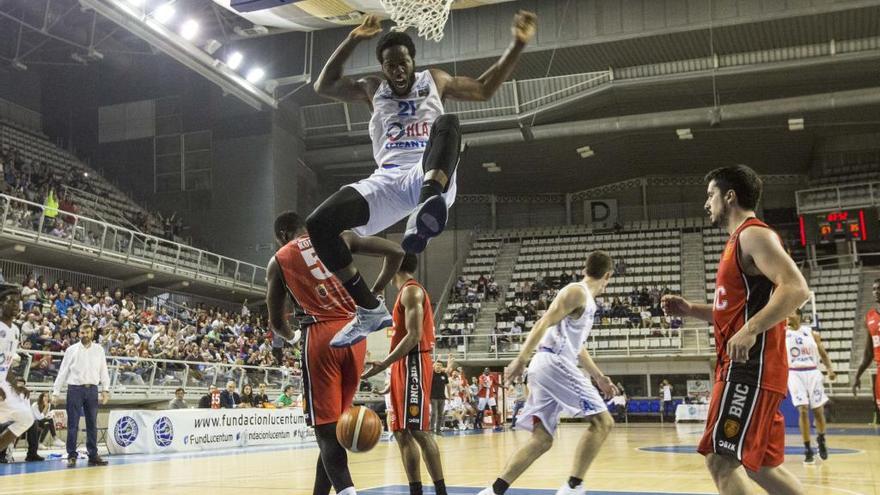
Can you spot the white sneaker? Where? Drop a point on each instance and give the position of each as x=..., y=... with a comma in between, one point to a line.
x=59, y=443
x=567, y=490
x=486, y=491
x=365, y=322
x=427, y=221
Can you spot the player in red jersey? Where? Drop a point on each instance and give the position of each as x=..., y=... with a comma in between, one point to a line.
x=487, y=395
x=411, y=374
x=757, y=286
x=872, y=346
x=330, y=375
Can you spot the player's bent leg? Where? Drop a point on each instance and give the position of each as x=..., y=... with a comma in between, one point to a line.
x=334, y=457
x=777, y=480
x=438, y=164
x=540, y=442
x=728, y=474
x=588, y=446
x=322, y=480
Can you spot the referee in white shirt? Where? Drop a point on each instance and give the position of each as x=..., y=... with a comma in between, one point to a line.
x=83, y=369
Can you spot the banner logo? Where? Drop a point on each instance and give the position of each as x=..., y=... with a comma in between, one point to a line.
x=126, y=431
x=163, y=431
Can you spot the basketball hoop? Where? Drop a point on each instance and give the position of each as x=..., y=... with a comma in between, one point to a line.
x=427, y=16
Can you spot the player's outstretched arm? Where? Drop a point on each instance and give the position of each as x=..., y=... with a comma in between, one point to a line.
x=823, y=355
x=276, y=293
x=867, y=357
x=332, y=84
x=679, y=306
x=412, y=298
x=764, y=249
x=567, y=301
x=608, y=388
x=376, y=246
x=483, y=87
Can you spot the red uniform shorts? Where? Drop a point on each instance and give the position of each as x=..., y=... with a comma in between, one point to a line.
x=744, y=422
x=411, y=392
x=330, y=375
x=877, y=390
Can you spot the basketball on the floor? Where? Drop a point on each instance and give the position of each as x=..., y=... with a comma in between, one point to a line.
x=358, y=429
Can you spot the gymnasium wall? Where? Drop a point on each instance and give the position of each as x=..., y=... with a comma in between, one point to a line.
x=21, y=88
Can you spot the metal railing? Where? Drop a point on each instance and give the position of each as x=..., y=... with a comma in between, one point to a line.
x=838, y=197
x=26, y=221
x=158, y=378
x=513, y=98
x=622, y=344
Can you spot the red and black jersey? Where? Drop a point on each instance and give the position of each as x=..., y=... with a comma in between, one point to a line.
x=317, y=291
x=738, y=296
x=872, y=321
x=398, y=315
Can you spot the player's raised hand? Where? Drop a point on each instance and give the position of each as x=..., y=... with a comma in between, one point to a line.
x=525, y=24
x=607, y=387
x=675, y=305
x=369, y=28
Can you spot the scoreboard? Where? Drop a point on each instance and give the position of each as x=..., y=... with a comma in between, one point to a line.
x=844, y=225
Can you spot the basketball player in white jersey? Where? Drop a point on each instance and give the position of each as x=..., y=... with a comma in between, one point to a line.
x=556, y=385
x=13, y=409
x=805, y=348
x=416, y=148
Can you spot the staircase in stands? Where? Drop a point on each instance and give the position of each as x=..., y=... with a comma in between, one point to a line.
x=693, y=285
x=866, y=301
x=504, y=265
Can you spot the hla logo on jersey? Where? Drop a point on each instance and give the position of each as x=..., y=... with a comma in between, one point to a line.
x=397, y=131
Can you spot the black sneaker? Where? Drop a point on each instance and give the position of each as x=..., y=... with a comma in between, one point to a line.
x=33, y=458
x=97, y=461
x=823, y=450
x=808, y=457
x=71, y=461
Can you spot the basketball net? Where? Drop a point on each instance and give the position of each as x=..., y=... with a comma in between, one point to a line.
x=427, y=16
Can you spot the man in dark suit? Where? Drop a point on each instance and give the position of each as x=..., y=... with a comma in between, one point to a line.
x=205, y=401
x=229, y=398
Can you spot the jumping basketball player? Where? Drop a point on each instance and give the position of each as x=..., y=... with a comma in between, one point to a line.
x=756, y=288
x=805, y=381
x=872, y=346
x=13, y=409
x=416, y=149
x=556, y=385
x=411, y=374
x=330, y=376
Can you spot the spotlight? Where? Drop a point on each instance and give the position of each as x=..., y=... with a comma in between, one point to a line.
x=585, y=151
x=212, y=46
x=189, y=29
x=17, y=65
x=796, y=124
x=234, y=60
x=490, y=165
x=255, y=75
x=85, y=174
x=684, y=133
x=164, y=13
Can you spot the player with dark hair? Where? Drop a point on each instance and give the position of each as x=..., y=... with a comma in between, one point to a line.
x=557, y=385
x=416, y=148
x=872, y=346
x=330, y=376
x=411, y=378
x=757, y=286
x=14, y=411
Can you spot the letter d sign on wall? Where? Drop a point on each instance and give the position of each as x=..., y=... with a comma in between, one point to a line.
x=600, y=211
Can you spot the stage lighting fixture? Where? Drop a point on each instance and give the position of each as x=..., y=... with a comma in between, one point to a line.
x=234, y=60
x=164, y=13
x=255, y=75
x=189, y=29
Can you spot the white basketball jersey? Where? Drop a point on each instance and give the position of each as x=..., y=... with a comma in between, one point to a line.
x=400, y=125
x=567, y=338
x=8, y=348
x=802, y=349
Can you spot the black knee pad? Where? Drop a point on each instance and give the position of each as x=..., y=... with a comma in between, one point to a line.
x=446, y=122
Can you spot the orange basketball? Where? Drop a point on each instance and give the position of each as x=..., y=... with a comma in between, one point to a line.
x=358, y=429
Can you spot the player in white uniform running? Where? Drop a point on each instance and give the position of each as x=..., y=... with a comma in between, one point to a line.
x=805, y=381
x=556, y=385
x=13, y=409
x=416, y=148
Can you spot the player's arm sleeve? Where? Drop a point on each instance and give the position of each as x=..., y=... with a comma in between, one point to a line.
x=276, y=293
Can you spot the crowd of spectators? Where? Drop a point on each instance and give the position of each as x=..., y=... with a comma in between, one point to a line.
x=38, y=183
x=52, y=315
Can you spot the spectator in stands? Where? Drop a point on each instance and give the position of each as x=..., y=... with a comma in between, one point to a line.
x=207, y=400
x=260, y=398
x=63, y=303
x=620, y=267
x=286, y=397
x=492, y=289
x=42, y=409
x=178, y=402
x=247, y=396
x=29, y=295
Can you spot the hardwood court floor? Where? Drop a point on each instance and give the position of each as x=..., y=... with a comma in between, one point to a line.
x=470, y=462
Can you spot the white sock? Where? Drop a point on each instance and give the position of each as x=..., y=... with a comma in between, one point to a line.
x=348, y=491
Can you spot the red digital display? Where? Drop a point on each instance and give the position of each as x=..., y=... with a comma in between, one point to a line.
x=845, y=225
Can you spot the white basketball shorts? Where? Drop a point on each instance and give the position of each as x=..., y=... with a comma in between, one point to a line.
x=16, y=410
x=806, y=388
x=392, y=194
x=557, y=386
x=483, y=403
